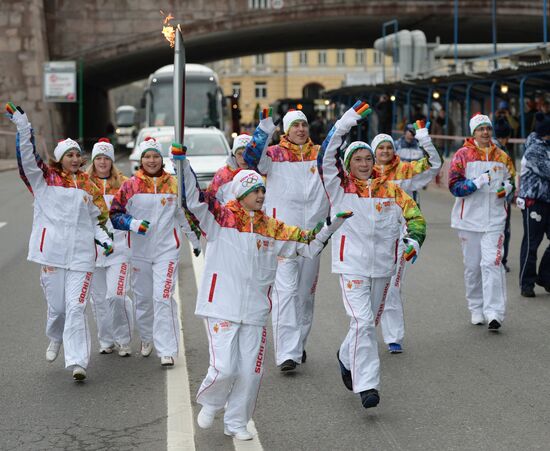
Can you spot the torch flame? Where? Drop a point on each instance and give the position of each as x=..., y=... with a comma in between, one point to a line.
x=169, y=31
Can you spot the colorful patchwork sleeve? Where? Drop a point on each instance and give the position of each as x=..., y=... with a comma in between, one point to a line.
x=416, y=224
x=330, y=166
x=119, y=217
x=99, y=202
x=219, y=179
x=32, y=169
x=254, y=152
x=459, y=185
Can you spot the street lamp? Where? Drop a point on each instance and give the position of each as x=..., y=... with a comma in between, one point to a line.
x=435, y=95
x=392, y=98
x=504, y=88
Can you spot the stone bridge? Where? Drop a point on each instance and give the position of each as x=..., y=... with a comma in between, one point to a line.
x=119, y=41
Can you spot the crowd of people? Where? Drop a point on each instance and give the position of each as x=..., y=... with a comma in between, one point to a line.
x=266, y=217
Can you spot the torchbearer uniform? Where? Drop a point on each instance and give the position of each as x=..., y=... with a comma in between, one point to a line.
x=236, y=292
x=69, y=212
x=112, y=306
x=155, y=252
x=365, y=250
x=295, y=196
x=411, y=176
x=480, y=179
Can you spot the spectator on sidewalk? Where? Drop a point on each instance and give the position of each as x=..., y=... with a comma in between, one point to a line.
x=534, y=202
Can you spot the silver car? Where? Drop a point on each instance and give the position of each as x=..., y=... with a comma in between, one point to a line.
x=207, y=150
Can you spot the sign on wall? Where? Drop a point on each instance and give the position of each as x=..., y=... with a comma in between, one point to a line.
x=60, y=81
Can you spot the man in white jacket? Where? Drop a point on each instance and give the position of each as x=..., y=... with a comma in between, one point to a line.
x=295, y=196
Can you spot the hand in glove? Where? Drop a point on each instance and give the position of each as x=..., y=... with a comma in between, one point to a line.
x=482, y=180
x=108, y=246
x=412, y=249
x=178, y=152
x=17, y=116
x=505, y=189
x=351, y=117
x=520, y=202
x=421, y=130
x=266, y=121
x=138, y=226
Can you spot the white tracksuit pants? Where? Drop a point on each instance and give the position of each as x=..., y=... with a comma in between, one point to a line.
x=483, y=273
x=156, y=310
x=364, y=299
x=393, y=321
x=293, y=303
x=237, y=354
x=67, y=294
x=112, y=307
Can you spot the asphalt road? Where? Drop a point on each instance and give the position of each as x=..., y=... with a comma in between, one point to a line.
x=456, y=387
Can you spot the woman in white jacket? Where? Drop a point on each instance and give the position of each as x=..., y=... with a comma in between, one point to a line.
x=146, y=205
x=112, y=307
x=235, y=295
x=365, y=249
x=69, y=212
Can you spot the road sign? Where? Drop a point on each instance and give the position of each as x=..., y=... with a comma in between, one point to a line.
x=60, y=81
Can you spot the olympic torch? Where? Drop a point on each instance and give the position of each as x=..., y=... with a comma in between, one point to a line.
x=178, y=149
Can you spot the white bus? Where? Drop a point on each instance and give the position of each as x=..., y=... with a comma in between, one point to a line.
x=203, y=97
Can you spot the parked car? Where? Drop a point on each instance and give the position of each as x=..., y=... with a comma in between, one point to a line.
x=207, y=150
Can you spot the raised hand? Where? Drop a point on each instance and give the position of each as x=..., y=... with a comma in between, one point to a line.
x=178, y=151
x=17, y=116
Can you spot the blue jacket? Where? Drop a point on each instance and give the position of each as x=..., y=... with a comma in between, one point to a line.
x=535, y=169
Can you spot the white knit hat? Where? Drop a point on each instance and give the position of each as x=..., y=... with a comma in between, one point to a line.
x=291, y=117
x=149, y=144
x=103, y=147
x=477, y=120
x=63, y=147
x=352, y=148
x=379, y=139
x=246, y=181
x=240, y=142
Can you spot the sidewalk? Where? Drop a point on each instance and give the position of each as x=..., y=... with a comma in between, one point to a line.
x=8, y=164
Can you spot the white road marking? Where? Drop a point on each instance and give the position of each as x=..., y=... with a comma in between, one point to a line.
x=2, y=224
x=250, y=445
x=180, y=431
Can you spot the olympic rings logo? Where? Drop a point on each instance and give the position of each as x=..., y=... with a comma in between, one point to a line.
x=249, y=181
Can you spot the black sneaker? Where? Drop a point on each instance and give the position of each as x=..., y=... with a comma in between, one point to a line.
x=370, y=398
x=506, y=267
x=304, y=356
x=494, y=326
x=288, y=365
x=346, y=374
x=528, y=293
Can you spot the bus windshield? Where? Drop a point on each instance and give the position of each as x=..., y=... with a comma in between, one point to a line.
x=201, y=109
x=125, y=118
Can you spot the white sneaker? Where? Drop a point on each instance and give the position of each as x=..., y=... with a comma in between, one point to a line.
x=79, y=373
x=205, y=419
x=125, y=350
x=167, y=361
x=106, y=349
x=241, y=434
x=478, y=319
x=146, y=348
x=53, y=350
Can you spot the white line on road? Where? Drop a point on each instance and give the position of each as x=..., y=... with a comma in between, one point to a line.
x=2, y=224
x=254, y=444
x=180, y=432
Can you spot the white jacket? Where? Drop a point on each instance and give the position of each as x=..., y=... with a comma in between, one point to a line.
x=241, y=255
x=121, y=251
x=68, y=211
x=295, y=193
x=153, y=199
x=368, y=243
x=479, y=210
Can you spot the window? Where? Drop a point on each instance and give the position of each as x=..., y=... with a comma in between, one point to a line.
x=236, y=88
x=260, y=59
x=322, y=57
x=359, y=57
x=235, y=62
x=303, y=58
x=377, y=57
x=260, y=90
x=341, y=57
x=259, y=4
